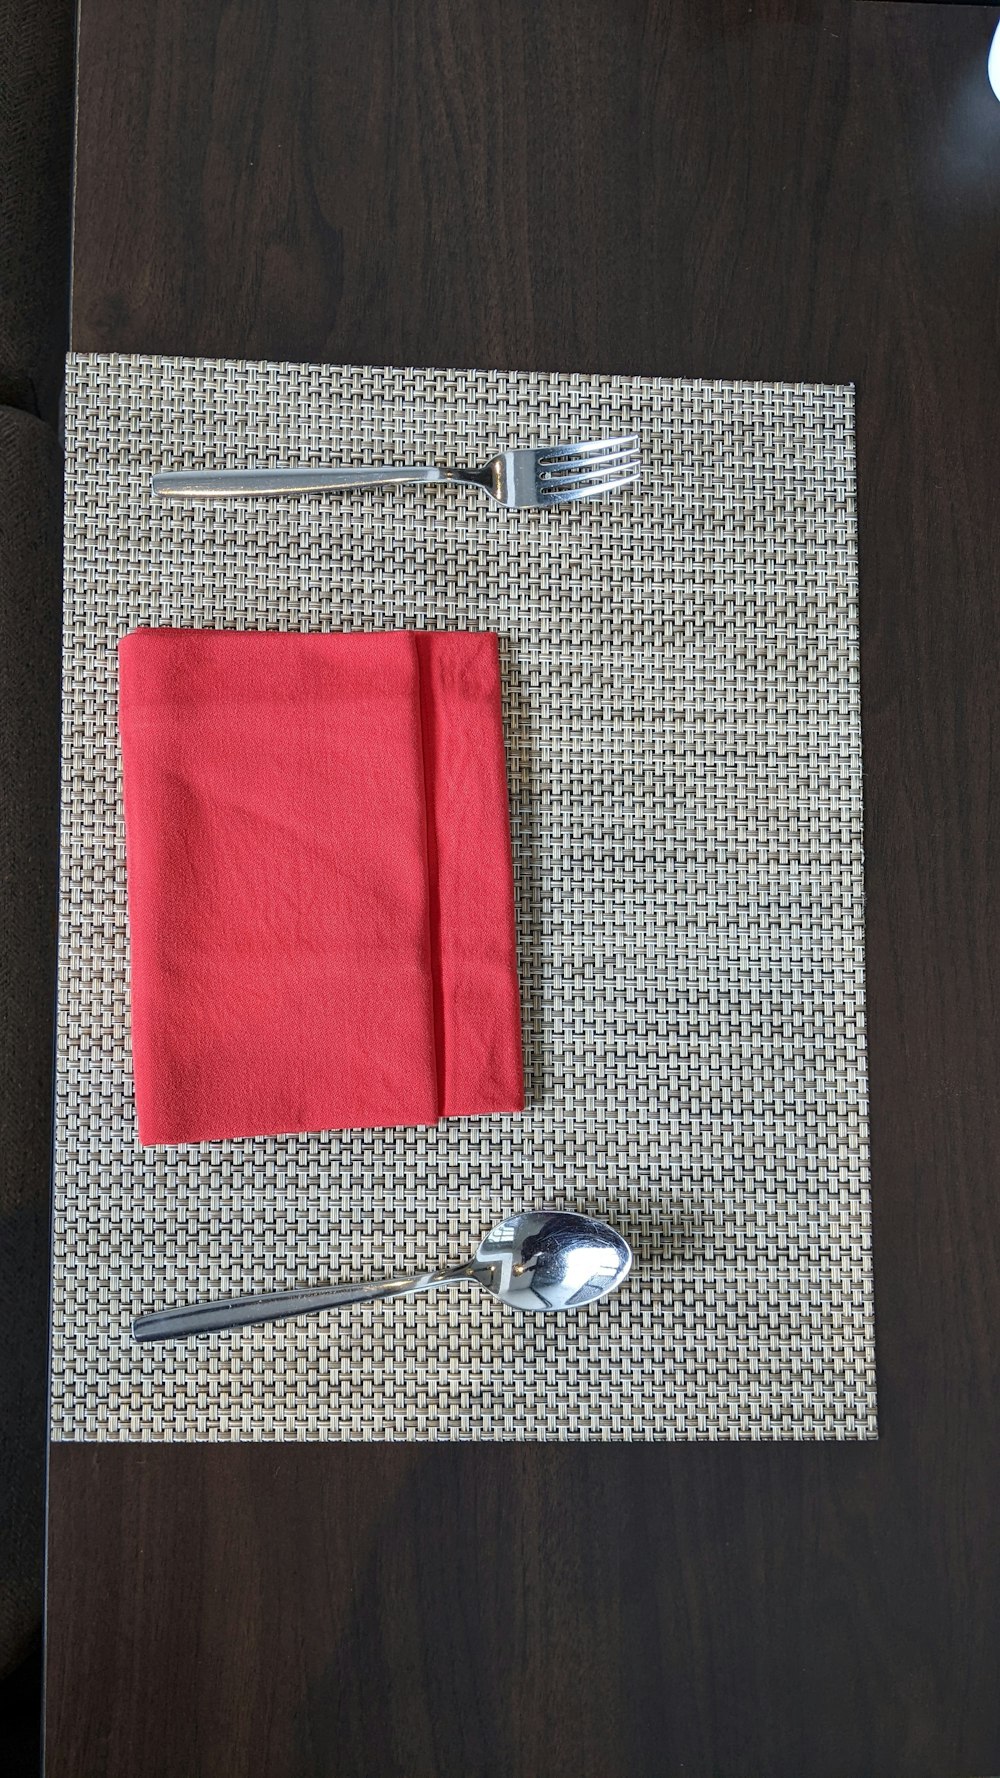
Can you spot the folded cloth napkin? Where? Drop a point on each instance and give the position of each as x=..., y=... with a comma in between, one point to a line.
x=320, y=894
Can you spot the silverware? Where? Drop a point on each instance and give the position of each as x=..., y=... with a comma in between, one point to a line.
x=549, y=476
x=543, y=1259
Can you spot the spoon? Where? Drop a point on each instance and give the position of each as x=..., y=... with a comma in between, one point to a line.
x=542, y=1259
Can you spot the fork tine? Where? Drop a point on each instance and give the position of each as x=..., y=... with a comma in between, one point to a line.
x=586, y=472
x=583, y=468
x=614, y=447
x=558, y=494
x=588, y=447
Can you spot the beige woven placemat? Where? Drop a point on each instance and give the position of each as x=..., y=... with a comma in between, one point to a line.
x=681, y=682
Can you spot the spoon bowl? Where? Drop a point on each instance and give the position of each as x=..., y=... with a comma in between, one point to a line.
x=549, y=1260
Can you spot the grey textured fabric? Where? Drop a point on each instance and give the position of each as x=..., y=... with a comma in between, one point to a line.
x=30, y=538
x=36, y=146
x=682, y=720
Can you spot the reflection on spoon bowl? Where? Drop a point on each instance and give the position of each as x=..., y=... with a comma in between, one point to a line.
x=552, y=1259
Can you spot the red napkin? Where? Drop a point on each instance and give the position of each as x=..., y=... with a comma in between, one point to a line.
x=321, y=903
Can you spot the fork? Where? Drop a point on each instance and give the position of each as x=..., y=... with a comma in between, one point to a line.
x=549, y=476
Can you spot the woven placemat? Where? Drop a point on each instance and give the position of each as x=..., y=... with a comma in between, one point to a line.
x=682, y=723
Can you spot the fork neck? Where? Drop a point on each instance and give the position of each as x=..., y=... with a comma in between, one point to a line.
x=480, y=478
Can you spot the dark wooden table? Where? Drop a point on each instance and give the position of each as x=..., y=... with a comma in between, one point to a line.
x=711, y=189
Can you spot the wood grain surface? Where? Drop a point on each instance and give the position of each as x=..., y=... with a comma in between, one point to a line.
x=711, y=189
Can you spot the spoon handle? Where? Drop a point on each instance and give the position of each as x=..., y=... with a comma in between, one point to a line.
x=277, y=1305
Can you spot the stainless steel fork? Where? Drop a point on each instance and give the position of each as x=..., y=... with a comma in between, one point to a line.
x=549, y=476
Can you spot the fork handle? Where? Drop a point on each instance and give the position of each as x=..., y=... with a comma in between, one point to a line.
x=216, y=484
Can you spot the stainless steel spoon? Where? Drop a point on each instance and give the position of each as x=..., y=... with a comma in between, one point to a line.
x=542, y=1259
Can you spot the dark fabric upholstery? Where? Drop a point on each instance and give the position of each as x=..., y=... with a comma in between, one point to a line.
x=30, y=603
x=36, y=145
